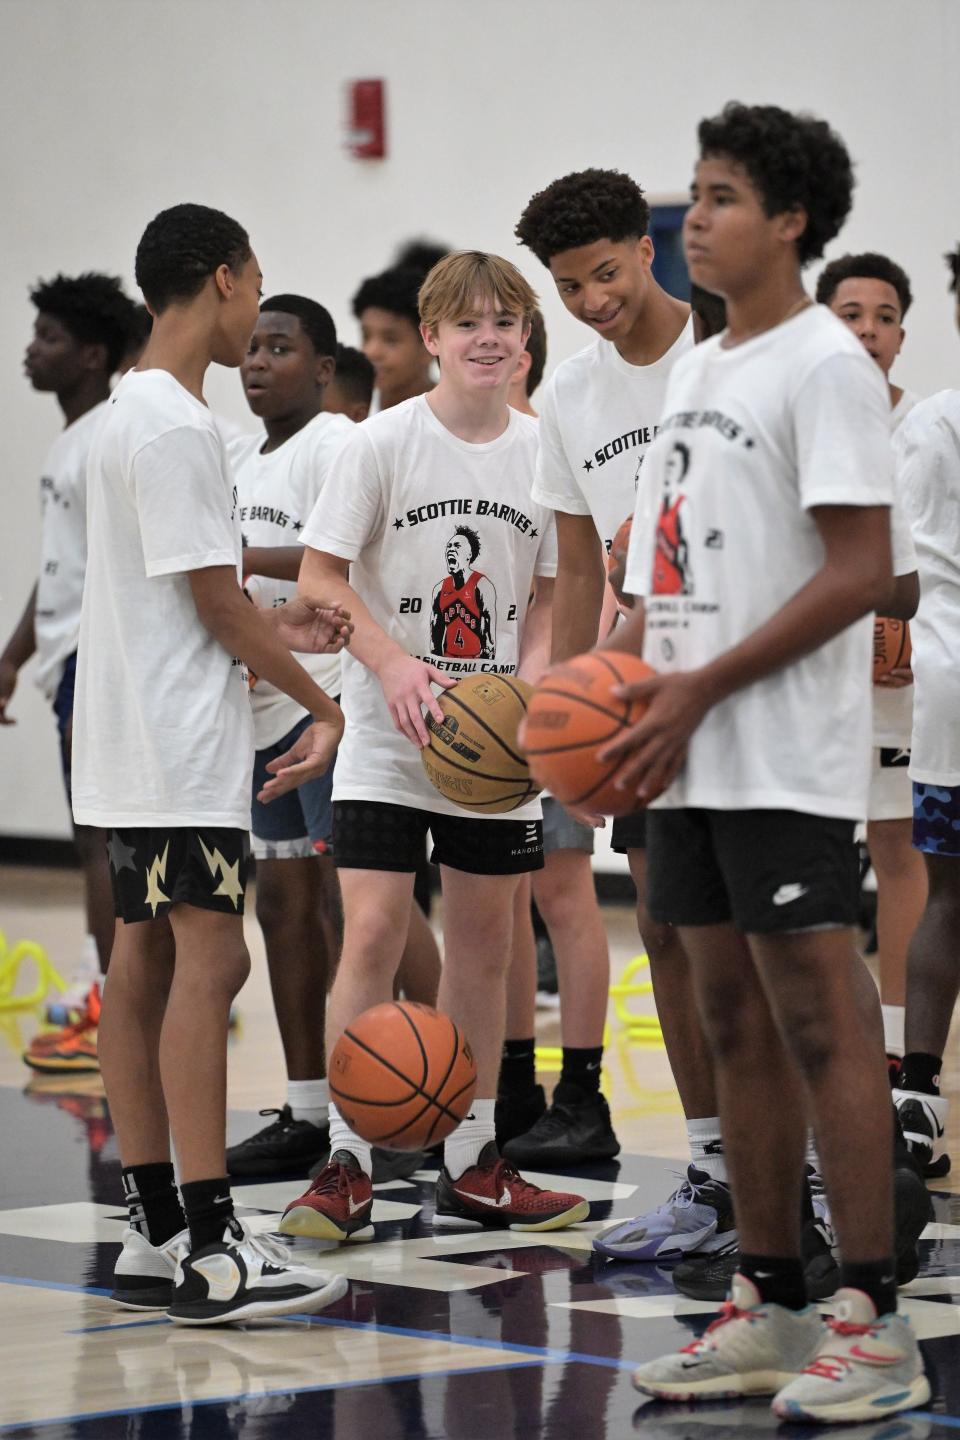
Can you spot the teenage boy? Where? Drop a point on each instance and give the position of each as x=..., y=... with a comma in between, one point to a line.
x=350, y=392
x=386, y=307
x=926, y=450
x=459, y=456
x=279, y=475
x=84, y=326
x=163, y=759
x=871, y=294
x=756, y=741
x=598, y=415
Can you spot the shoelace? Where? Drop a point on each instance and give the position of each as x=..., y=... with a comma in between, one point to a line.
x=507, y=1174
x=267, y=1249
x=834, y=1367
x=331, y=1180
x=728, y=1312
x=279, y=1125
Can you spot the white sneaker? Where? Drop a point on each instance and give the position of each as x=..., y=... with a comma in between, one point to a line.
x=143, y=1274
x=866, y=1367
x=923, y=1120
x=754, y=1348
x=246, y=1277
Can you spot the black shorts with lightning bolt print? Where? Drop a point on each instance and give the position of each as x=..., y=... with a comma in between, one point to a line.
x=152, y=870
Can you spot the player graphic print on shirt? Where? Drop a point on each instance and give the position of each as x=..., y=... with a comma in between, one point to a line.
x=672, y=571
x=463, y=618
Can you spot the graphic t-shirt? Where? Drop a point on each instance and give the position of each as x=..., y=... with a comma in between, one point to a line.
x=63, y=547
x=927, y=447
x=598, y=417
x=275, y=494
x=893, y=709
x=162, y=727
x=752, y=438
x=444, y=540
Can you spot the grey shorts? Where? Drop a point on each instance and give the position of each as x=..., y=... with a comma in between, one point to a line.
x=561, y=831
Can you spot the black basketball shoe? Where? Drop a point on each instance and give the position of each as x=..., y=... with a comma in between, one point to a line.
x=912, y=1212
x=573, y=1131
x=516, y=1114
x=285, y=1144
x=709, y=1277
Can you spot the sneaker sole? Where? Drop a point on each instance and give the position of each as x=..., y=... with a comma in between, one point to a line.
x=865, y=1407
x=302, y=1220
x=573, y=1216
x=49, y=1065
x=220, y=1314
x=721, y=1387
x=157, y=1298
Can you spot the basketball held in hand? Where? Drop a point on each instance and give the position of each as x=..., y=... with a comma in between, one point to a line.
x=891, y=646
x=572, y=715
x=474, y=757
x=402, y=1076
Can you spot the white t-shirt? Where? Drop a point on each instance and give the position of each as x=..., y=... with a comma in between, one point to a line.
x=275, y=494
x=162, y=729
x=598, y=417
x=395, y=497
x=893, y=709
x=752, y=438
x=927, y=447
x=63, y=547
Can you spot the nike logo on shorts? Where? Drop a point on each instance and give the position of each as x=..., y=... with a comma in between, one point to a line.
x=786, y=893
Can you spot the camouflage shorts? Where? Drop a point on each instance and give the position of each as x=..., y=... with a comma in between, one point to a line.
x=936, y=819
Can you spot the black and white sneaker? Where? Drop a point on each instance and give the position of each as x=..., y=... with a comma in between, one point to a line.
x=247, y=1277
x=923, y=1120
x=573, y=1130
x=709, y=1277
x=285, y=1144
x=143, y=1274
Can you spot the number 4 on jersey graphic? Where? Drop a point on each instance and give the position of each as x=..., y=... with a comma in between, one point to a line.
x=463, y=617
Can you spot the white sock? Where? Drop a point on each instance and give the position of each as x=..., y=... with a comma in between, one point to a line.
x=811, y=1157
x=309, y=1100
x=893, y=1016
x=343, y=1138
x=462, y=1148
x=706, y=1146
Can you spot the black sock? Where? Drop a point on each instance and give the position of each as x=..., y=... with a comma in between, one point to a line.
x=209, y=1207
x=920, y=1071
x=518, y=1072
x=779, y=1278
x=152, y=1201
x=876, y=1278
x=582, y=1068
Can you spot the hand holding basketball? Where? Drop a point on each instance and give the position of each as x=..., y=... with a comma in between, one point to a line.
x=653, y=750
x=406, y=682
x=892, y=650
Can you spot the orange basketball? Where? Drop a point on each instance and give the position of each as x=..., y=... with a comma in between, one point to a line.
x=619, y=545
x=402, y=1076
x=573, y=714
x=891, y=645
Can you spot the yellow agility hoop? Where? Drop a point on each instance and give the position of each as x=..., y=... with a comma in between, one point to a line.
x=643, y=1028
x=10, y=965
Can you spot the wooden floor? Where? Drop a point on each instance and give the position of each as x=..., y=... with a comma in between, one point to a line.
x=494, y=1336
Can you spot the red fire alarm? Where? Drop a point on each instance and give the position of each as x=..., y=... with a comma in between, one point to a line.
x=366, y=130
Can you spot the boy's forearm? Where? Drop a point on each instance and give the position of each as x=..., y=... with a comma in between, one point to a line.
x=274, y=562
x=369, y=643
x=242, y=630
x=534, y=655
x=23, y=640
x=577, y=603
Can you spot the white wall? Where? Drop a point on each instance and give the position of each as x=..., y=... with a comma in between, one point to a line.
x=113, y=109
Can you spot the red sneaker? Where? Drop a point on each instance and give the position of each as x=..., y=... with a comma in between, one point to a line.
x=88, y=1019
x=337, y=1206
x=71, y=1050
x=493, y=1195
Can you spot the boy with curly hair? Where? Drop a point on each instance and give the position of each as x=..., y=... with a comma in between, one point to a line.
x=756, y=741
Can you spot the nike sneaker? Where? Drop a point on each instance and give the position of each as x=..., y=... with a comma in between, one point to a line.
x=697, y=1219
x=709, y=1277
x=387, y=1164
x=923, y=1119
x=71, y=1049
x=574, y=1130
x=493, y=1195
x=143, y=1274
x=284, y=1144
x=337, y=1206
x=866, y=1366
x=912, y=1213
x=247, y=1277
x=752, y=1348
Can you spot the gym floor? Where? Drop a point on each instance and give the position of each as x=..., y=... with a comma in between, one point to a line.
x=441, y=1335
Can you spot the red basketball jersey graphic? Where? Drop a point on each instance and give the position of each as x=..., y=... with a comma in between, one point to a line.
x=461, y=615
x=668, y=568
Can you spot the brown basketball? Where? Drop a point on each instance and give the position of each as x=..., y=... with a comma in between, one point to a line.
x=402, y=1076
x=891, y=645
x=573, y=714
x=619, y=545
x=474, y=757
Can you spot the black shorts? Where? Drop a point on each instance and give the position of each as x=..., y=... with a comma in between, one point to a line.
x=153, y=870
x=629, y=832
x=768, y=871
x=369, y=835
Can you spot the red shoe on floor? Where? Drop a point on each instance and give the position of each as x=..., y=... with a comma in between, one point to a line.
x=73, y=1049
x=494, y=1195
x=337, y=1206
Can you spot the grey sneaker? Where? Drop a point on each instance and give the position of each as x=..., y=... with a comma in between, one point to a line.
x=866, y=1366
x=697, y=1219
x=752, y=1349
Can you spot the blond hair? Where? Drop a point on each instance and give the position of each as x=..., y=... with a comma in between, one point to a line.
x=463, y=278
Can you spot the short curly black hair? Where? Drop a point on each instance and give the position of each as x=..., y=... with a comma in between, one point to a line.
x=580, y=208
x=182, y=247
x=952, y=258
x=794, y=161
x=355, y=373
x=93, y=309
x=472, y=539
x=869, y=266
x=316, y=322
x=395, y=290
x=420, y=253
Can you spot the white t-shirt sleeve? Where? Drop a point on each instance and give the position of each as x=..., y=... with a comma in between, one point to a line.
x=555, y=484
x=349, y=511
x=547, y=554
x=841, y=416
x=184, y=521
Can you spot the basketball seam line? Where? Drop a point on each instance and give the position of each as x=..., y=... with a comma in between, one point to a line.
x=582, y=700
x=416, y=1032
x=478, y=774
x=575, y=745
x=417, y=1089
x=484, y=726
